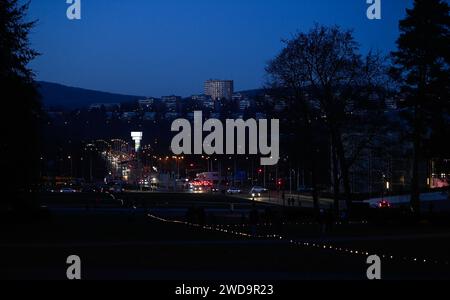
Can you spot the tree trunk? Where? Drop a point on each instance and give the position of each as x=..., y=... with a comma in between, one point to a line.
x=415, y=187
x=336, y=181
x=315, y=193
x=340, y=152
x=312, y=153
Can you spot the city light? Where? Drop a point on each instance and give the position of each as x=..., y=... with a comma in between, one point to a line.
x=137, y=138
x=335, y=166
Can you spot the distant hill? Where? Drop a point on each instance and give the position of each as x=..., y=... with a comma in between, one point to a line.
x=60, y=96
x=253, y=93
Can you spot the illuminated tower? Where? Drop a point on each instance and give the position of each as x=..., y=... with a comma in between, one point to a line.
x=137, y=138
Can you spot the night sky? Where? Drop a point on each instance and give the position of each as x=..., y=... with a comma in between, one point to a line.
x=163, y=47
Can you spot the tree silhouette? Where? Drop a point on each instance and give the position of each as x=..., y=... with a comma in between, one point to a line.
x=19, y=146
x=422, y=70
x=325, y=64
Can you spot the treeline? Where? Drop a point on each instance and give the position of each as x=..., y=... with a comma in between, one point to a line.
x=336, y=90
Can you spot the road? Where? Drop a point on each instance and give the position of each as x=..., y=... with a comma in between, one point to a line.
x=276, y=198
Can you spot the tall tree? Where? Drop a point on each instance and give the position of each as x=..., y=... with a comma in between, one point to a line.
x=287, y=81
x=422, y=70
x=19, y=152
x=325, y=63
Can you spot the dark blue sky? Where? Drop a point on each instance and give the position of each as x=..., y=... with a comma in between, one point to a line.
x=161, y=47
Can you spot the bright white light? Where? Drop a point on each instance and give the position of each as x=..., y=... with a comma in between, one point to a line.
x=137, y=138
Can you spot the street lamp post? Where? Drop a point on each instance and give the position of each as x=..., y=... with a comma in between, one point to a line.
x=264, y=174
x=386, y=188
x=253, y=172
x=82, y=168
x=290, y=180
x=41, y=167
x=91, y=177
x=71, y=165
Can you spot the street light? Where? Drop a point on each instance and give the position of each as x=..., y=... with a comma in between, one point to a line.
x=71, y=165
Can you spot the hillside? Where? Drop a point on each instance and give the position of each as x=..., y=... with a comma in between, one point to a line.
x=61, y=96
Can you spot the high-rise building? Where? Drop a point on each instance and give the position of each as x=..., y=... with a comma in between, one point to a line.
x=219, y=89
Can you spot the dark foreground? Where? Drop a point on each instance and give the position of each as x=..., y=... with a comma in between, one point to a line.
x=121, y=242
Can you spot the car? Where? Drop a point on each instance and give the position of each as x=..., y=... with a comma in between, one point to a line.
x=51, y=190
x=197, y=189
x=116, y=189
x=215, y=190
x=67, y=190
x=384, y=204
x=89, y=189
x=305, y=189
x=257, y=191
x=233, y=191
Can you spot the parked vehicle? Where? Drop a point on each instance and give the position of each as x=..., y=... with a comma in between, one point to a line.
x=305, y=189
x=67, y=190
x=233, y=191
x=90, y=189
